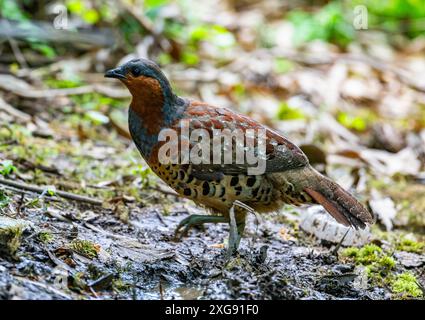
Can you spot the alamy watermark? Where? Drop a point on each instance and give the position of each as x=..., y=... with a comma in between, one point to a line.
x=245, y=147
x=60, y=22
x=60, y=278
x=60, y=11
x=360, y=18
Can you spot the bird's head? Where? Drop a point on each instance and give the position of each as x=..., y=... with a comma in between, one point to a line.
x=143, y=78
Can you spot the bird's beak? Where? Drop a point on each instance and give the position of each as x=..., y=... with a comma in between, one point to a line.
x=117, y=73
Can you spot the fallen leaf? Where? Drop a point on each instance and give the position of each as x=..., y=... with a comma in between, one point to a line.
x=383, y=208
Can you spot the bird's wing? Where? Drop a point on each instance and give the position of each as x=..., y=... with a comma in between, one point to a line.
x=278, y=153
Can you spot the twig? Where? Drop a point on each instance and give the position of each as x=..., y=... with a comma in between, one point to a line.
x=15, y=48
x=20, y=190
x=17, y=52
x=168, y=193
x=304, y=58
x=122, y=131
x=158, y=215
x=335, y=250
x=44, y=31
x=63, y=194
x=23, y=89
x=14, y=112
x=109, y=234
x=8, y=142
x=20, y=203
x=161, y=289
x=144, y=22
x=30, y=165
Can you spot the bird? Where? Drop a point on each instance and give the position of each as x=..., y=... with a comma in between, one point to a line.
x=228, y=190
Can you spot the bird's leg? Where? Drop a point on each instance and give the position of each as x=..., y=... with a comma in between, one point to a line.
x=237, y=227
x=197, y=219
x=233, y=234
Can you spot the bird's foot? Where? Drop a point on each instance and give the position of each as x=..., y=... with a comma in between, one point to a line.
x=195, y=220
x=236, y=230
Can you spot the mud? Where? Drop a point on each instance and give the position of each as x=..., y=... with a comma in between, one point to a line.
x=142, y=260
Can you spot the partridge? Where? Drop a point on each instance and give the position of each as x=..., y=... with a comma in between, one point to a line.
x=230, y=189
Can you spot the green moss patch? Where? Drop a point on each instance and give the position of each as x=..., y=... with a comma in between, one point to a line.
x=85, y=248
x=10, y=235
x=378, y=264
x=45, y=236
x=369, y=255
x=410, y=245
x=380, y=267
x=406, y=285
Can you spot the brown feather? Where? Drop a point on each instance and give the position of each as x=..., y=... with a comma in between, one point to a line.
x=328, y=206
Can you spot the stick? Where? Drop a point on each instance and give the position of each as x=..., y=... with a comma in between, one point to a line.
x=63, y=194
x=166, y=192
x=21, y=88
x=44, y=31
x=14, y=112
x=143, y=21
x=335, y=250
x=15, y=48
x=403, y=75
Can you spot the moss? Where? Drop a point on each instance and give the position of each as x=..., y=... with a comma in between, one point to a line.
x=368, y=254
x=287, y=112
x=34, y=203
x=4, y=199
x=378, y=264
x=82, y=165
x=45, y=236
x=7, y=168
x=119, y=285
x=86, y=248
x=63, y=83
x=410, y=245
x=406, y=285
x=10, y=239
x=76, y=282
x=387, y=262
x=95, y=101
x=5, y=134
x=351, y=252
x=237, y=263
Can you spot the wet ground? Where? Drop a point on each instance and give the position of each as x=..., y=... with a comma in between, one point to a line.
x=141, y=260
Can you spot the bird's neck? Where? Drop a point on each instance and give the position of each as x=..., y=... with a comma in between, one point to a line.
x=148, y=104
x=151, y=110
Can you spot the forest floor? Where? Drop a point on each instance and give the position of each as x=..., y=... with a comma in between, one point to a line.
x=83, y=217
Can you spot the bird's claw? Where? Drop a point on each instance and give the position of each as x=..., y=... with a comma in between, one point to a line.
x=184, y=223
x=195, y=220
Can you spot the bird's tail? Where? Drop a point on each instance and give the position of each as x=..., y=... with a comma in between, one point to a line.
x=338, y=202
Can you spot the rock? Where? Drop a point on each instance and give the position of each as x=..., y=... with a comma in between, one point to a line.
x=361, y=282
x=138, y=252
x=10, y=234
x=409, y=260
x=342, y=268
x=315, y=220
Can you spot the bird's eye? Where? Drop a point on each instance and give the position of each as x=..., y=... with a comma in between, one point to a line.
x=136, y=71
